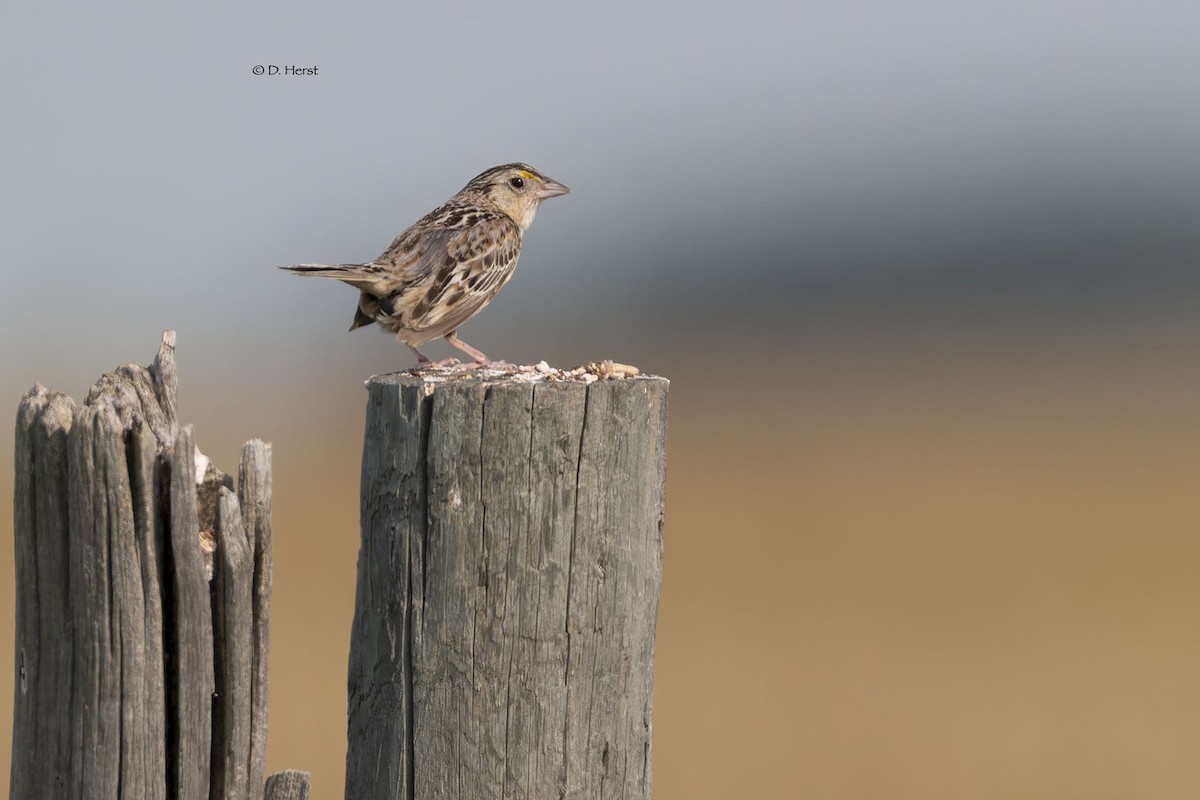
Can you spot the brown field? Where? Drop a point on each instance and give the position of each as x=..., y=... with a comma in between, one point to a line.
x=920, y=580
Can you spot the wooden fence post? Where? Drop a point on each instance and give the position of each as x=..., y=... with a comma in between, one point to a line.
x=508, y=584
x=143, y=585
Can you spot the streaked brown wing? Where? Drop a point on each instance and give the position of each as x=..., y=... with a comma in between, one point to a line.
x=478, y=262
x=454, y=231
x=409, y=258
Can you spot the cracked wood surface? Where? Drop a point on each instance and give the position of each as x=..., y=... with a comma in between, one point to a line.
x=508, y=585
x=118, y=660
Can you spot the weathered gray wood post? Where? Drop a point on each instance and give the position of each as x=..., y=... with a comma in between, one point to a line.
x=508, y=584
x=143, y=600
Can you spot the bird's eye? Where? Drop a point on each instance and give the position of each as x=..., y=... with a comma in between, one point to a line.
x=516, y=183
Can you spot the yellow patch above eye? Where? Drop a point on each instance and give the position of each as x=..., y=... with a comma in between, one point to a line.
x=529, y=176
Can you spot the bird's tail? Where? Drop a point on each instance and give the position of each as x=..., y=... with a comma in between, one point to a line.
x=342, y=272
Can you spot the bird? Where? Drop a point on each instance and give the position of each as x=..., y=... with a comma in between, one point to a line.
x=443, y=269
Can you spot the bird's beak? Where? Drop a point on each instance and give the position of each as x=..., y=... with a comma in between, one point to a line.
x=550, y=189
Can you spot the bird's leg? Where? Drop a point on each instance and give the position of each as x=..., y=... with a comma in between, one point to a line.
x=423, y=361
x=480, y=359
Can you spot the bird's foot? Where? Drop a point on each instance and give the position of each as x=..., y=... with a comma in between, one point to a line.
x=485, y=364
x=425, y=362
x=445, y=362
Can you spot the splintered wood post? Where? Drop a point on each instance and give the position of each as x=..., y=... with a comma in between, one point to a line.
x=143, y=587
x=508, y=585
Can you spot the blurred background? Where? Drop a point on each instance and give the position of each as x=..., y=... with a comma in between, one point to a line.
x=923, y=275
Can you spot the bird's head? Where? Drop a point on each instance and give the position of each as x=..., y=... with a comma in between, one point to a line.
x=516, y=189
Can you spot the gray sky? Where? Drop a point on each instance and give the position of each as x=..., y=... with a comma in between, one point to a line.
x=764, y=151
